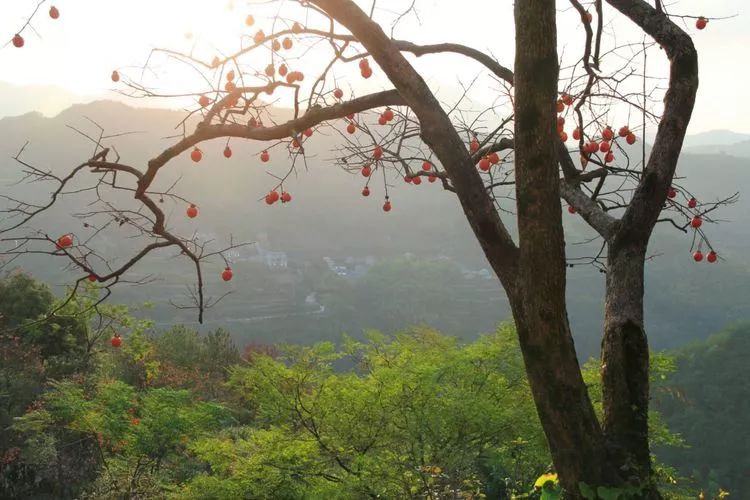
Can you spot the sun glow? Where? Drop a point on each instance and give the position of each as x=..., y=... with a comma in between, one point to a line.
x=79, y=50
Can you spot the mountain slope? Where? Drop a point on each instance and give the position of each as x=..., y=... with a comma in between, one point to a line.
x=715, y=138
x=329, y=217
x=706, y=402
x=738, y=149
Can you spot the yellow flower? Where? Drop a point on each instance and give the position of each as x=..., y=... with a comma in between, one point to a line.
x=544, y=478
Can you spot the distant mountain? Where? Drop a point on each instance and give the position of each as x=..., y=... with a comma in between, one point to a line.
x=718, y=142
x=45, y=99
x=715, y=138
x=739, y=149
x=714, y=142
x=328, y=217
x=48, y=100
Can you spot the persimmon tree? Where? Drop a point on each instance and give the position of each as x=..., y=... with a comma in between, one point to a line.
x=547, y=138
x=18, y=41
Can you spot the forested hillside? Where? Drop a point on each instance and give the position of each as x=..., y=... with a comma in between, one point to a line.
x=705, y=401
x=172, y=413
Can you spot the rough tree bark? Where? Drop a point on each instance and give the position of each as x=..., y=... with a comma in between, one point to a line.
x=625, y=355
x=625, y=360
x=567, y=415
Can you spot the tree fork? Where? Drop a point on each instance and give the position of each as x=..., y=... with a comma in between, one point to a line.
x=625, y=355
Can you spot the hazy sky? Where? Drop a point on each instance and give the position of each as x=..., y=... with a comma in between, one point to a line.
x=92, y=37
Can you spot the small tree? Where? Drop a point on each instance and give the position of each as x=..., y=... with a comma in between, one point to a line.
x=519, y=146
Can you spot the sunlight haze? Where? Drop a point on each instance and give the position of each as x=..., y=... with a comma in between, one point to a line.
x=91, y=38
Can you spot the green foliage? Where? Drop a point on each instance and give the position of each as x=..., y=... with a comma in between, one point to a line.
x=139, y=436
x=418, y=415
x=706, y=401
x=193, y=361
x=60, y=340
x=632, y=492
x=180, y=414
x=22, y=299
x=50, y=340
x=30, y=352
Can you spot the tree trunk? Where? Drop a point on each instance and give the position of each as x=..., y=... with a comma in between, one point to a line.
x=573, y=432
x=625, y=356
x=625, y=366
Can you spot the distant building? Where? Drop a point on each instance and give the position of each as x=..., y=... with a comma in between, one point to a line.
x=350, y=267
x=484, y=274
x=233, y=255
x=276, y=260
